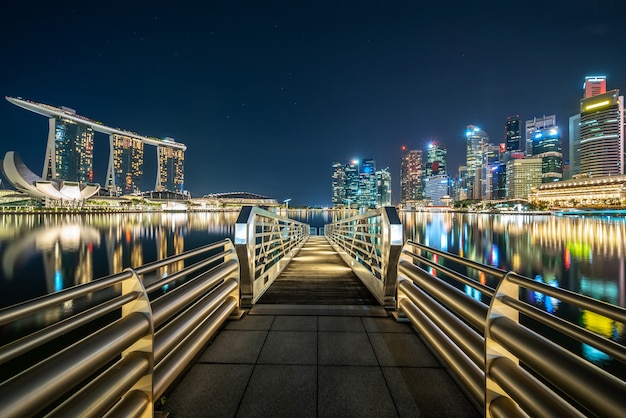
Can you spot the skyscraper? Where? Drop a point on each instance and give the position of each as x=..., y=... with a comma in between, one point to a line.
x=125, y=164
x=171, y=169
x=594, y=86
x=532, y=126
x=602, y=135
x=435, y=160
x=411, y=187
x=69, y=152
x=477, y=140
x=358, y=184
x=339, y=185
x=547, y=146
x=521, y=175
x=512, y=133
x=383, y=186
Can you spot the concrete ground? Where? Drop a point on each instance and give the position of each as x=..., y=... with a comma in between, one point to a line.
x=317, y=365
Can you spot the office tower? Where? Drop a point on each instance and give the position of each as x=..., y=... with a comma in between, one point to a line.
x=411, y=187
x=125, y=164
x=532, y=126
x=521, y=176
x=574, y=145
x=602, y=135
x=547, y=146
x=513, y=133
x=498, y=181
x=436, y=188
x=594, y=86
x=171, y=169
x=383, y=186
x=69, y=153
x=367, y=184
x=339, y=185
x=435, y=160
x=476, y=139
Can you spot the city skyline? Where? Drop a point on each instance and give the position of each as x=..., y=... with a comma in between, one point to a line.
x=266, y=97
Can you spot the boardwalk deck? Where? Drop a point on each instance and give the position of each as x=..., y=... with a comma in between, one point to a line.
x=311, y=350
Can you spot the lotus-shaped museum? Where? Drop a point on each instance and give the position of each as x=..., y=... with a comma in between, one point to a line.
x=23, y=179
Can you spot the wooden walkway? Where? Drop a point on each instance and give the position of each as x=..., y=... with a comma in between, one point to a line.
x=317, y=345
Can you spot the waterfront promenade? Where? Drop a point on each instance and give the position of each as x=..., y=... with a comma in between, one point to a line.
x=317, y=344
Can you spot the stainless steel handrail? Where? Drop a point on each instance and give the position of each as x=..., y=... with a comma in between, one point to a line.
x=137, y=344
x=265, y=244
x=508, y=368
x=370, y=243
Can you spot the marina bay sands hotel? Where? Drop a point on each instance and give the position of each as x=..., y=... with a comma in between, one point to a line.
x=69, y=152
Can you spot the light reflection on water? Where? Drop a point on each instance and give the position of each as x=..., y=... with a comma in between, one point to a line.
x=40, y=254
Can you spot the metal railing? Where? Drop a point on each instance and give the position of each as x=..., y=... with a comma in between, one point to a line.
x=508, y=368
x=116, y=353
x=371, y=243
x=265, y=243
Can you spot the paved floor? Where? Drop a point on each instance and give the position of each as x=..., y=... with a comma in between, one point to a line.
x=317, y=366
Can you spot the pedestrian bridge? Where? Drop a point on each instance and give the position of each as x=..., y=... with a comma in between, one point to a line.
x=354, y=322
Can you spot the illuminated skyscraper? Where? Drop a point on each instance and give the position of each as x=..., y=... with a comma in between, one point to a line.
x=547, y=146
x=383, y=186
x=125, y=164
x=477, y=140
x=512, y=133
x=69, y=153
x=532, y=126
x=357, y=184
x=339, y=185
x=521, y=175
x=411, y=187
x=602, y=135
x=435, y=160
x=594, y=86
x=171, y=169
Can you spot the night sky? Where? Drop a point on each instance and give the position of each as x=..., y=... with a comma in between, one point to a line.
x=266, y=95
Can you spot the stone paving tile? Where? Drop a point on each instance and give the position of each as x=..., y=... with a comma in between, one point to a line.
x=209, y=390
x=235, y=347
x=295, y=323
x=289, y=347
x=427, y=392
x=353, y=392
x=401, y=350
x=341, y=323
x=251, y=322
x=386, y=325
x=281, y=391
x=345, y=349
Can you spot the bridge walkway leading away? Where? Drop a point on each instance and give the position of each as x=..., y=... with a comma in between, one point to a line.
x=316, y=347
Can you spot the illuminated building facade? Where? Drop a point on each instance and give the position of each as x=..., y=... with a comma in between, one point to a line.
x=574, y=145
x=436, y=188
x=69, y=153
x=594, y=86
x=435, y=160
x=171, y=169
x=367, y=193
x=339, y=185
x=603, y=191
x=521, y=176
x=411, y=173
x=357, y=184
x=547, y=146
x=476, y=141
x=383, y=186
x=125, y=164
x=602, y=135
x=532, y=126
x=512, y=133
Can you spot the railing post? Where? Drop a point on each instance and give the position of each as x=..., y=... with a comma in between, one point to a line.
x=392, y=243
x=244, y=246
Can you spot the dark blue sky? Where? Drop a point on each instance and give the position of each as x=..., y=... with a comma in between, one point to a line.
x=266, y=95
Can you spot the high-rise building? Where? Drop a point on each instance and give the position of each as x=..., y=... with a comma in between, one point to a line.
x=594, y=86
x=125, y=170
x=513, y=133
x=534, y=125
x=521, y=176
x=435, y=160
x=367, y=192
x=574, y=145
x=339, y=185
x=411, y=187
x=547, y=146
x=383, y=186
x=491, y=159
x=476, y=140
x=436, y=188
x=171, y=169
x=69, y=153
x=602, y=135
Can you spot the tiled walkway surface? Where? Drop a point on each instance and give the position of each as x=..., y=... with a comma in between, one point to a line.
x=317, y=366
